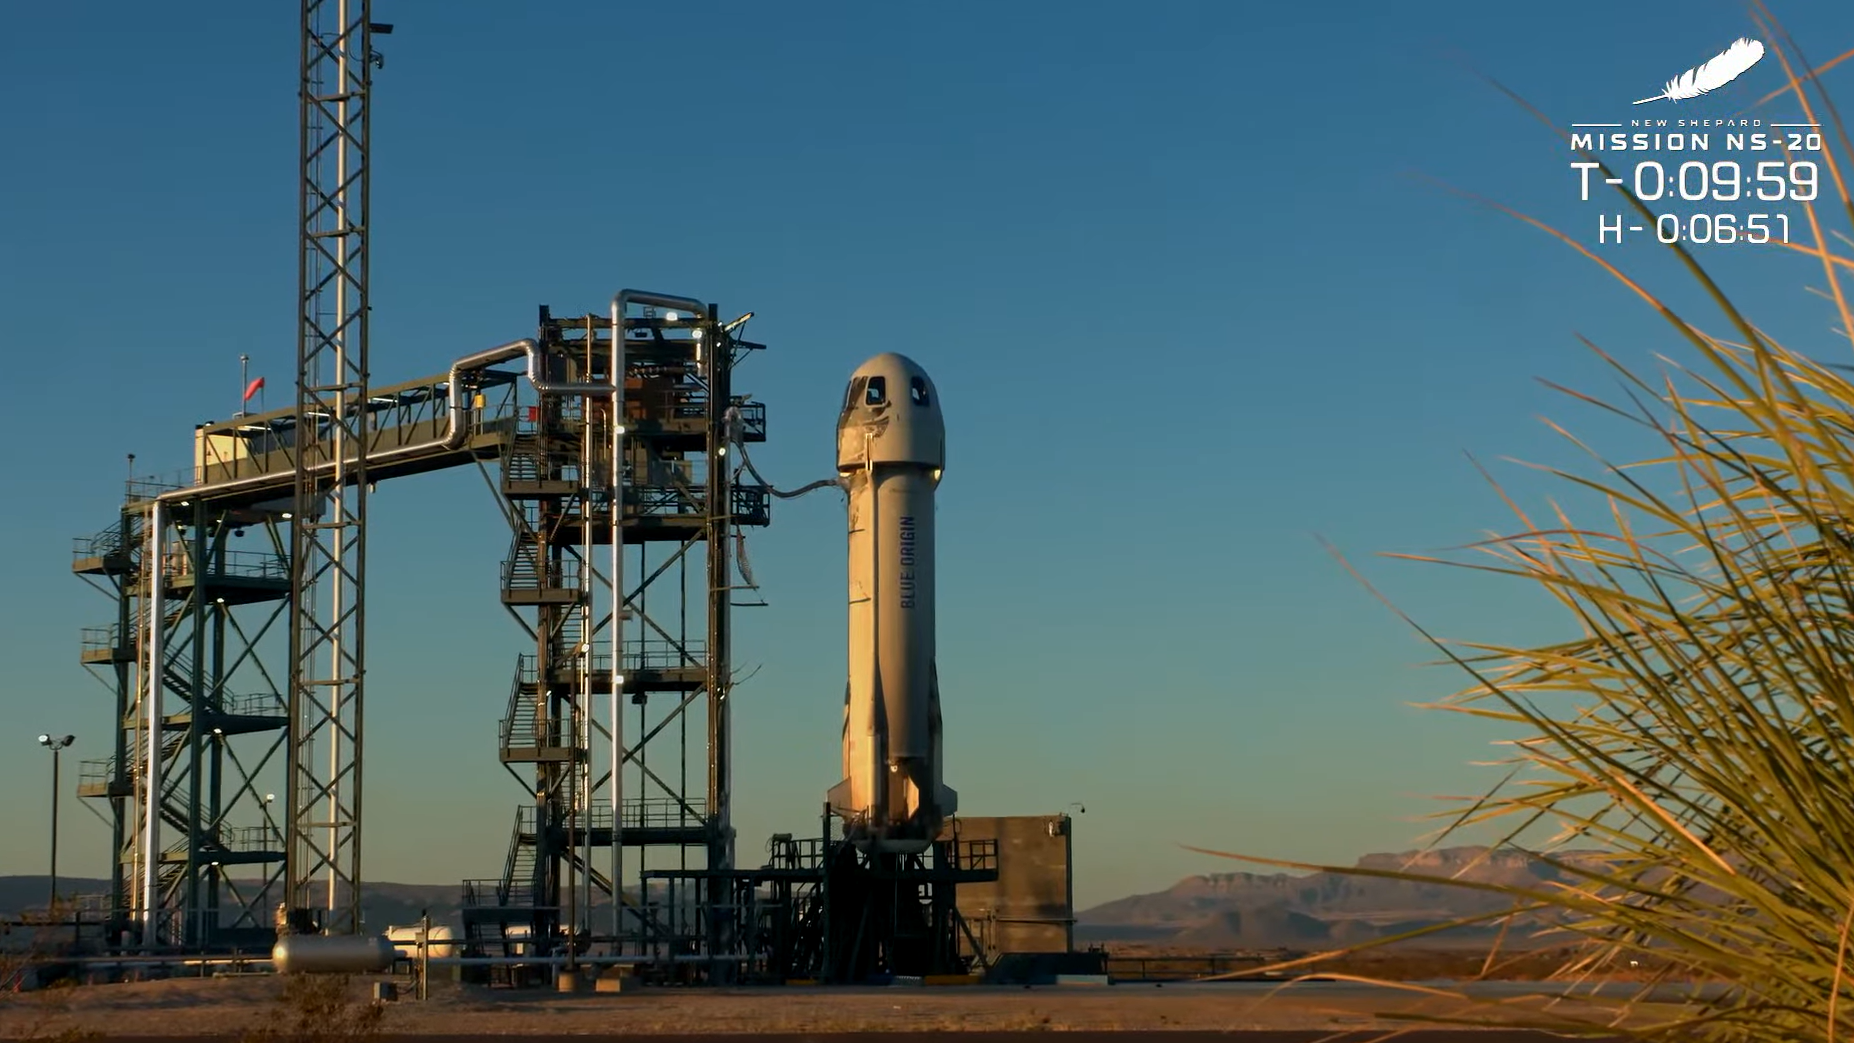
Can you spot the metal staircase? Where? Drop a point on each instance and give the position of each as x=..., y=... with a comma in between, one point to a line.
x=500, y=917
x=520, y=888
x=530, y=733
x=530, y=578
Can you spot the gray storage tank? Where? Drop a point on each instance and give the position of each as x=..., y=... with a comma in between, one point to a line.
x=331, y=954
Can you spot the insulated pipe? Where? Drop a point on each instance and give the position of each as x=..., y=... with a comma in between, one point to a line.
x=460, y=406
x=620, y=301
x=151, y=776
x=659, y=300
x=454, y=438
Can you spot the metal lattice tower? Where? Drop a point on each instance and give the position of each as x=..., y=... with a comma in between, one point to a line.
x=327, y=607
x=201, y=865
x=190, y=818
x=565, y=721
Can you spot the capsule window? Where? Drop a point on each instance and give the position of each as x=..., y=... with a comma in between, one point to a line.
x=917, y=389
x=877, y=393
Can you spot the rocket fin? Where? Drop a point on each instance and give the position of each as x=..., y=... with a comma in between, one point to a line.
x=948, y=797
x=910, y=796
x=839, y=797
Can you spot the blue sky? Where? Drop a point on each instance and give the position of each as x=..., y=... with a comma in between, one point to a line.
x=1186, y=304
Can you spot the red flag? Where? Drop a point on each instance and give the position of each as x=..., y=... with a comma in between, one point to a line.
x=253, y=389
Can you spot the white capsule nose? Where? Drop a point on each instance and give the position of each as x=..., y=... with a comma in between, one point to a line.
x=891, y=415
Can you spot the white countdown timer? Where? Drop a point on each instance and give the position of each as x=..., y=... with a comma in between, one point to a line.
x=1725, y=181
x=1723, y=229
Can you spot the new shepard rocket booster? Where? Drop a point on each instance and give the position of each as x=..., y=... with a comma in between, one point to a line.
x=891, y=447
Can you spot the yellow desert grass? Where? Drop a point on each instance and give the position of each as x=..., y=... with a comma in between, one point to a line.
x=1700, y=732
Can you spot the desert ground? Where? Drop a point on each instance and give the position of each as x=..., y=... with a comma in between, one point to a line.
x=239, y=1006
x=1404, y=963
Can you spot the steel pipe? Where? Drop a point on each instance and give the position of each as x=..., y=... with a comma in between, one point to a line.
x=156, y=567
x=460, y=407
x=124, y=962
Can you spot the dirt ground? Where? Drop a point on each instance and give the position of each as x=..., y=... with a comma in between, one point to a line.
x=233, y=1006
x=1392, y=963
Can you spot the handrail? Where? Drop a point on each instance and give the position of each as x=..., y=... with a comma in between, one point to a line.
x=240, y=564
x=232, y=840
x=96, y=771
x=531, y=571
x=507, y=883
x=421, y=403
x=254, y=704
x=98, y=639
x=639, y=813
x=109, y=541
x=639, y=654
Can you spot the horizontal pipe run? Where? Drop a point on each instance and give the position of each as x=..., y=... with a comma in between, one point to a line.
x=459, y=409
x=155, y=960
x=130, y=962
x=624, y=297
x=560, y=961
x=694, y=307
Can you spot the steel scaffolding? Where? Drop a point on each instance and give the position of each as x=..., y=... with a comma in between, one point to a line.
x=218, y=611
x=213, y=722
x=569, y=854
x=217, y=717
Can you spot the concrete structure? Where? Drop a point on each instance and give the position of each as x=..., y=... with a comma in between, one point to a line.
x=1030, y=907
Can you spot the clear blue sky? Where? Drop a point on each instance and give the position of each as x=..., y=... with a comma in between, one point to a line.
x=1186, y=306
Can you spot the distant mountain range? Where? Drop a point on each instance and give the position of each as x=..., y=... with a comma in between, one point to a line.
x=1277, y=910
x=1221, y=911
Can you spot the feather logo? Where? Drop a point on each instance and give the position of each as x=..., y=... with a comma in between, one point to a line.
x=1731, y=63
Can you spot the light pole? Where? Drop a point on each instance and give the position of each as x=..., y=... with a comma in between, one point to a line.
x=56, y=746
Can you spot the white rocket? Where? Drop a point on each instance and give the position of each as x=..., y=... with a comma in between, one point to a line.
x=891, y=447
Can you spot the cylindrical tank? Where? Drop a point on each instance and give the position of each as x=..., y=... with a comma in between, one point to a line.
x=440, y=942
x=331, y=954
x=891, y=451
